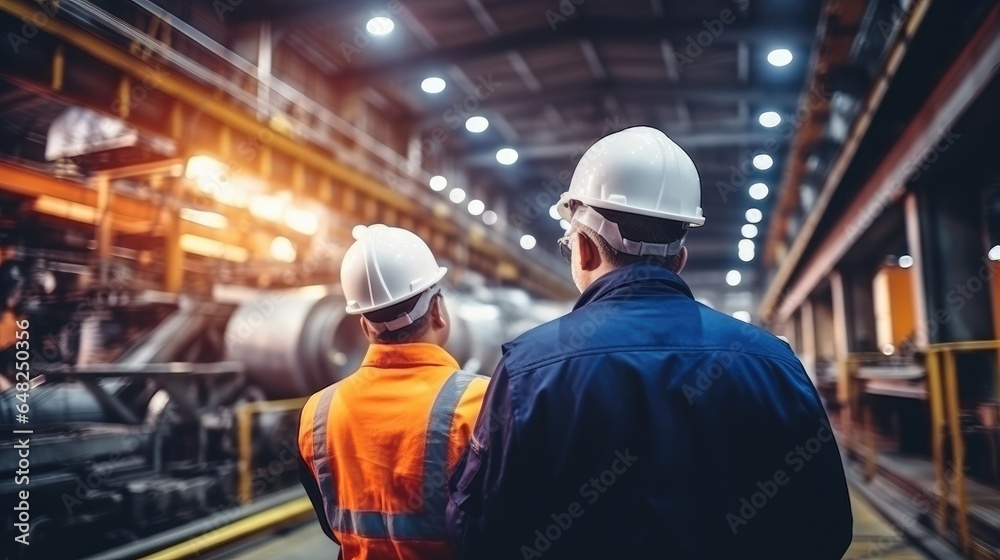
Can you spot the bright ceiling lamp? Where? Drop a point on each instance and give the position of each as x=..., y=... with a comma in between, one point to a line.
x=742, y=316
x=754, y=216
x=906, y=261
x=763, y=162
x=358, y=231
x=995, y=253
x=380, y=25
x=507, y=156
x=554, y=212
x=749, y=231
x=476, y=207
x=758, y=191
x=438, y=183
x=489, y=217
x=528, y=242
x=769, y=119
x=746, y=246
x=476, y=124
x=747, y=256
x=565, y=224
x=433, y=84
x=779, y=57
x=456, y=195
x=734, y=278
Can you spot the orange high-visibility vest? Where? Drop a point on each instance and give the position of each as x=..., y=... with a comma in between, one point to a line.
x=381, y=445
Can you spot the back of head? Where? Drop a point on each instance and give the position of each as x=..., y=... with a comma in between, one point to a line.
x=389, y=277
x=637, y=193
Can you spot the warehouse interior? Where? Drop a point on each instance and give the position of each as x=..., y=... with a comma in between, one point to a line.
x=180, y=180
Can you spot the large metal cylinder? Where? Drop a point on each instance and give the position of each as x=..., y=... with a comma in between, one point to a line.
x=294, y=344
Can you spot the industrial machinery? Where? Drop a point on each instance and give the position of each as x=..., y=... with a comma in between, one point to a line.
x=149, y=410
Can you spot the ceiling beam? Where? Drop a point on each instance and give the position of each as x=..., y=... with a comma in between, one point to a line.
x=630, y=30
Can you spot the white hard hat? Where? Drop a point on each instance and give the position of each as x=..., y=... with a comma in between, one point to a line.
x=387, y=266
x=639, y=171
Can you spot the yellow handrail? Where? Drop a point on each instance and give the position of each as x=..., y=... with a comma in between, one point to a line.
x=942, y=387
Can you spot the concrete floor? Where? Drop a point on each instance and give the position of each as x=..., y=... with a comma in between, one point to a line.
x=873, y=539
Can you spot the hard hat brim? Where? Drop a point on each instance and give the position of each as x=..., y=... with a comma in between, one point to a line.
x=565, y=213
x=423, y=286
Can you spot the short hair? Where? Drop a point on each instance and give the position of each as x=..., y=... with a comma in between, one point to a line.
x=636, y=227
x=409, y=333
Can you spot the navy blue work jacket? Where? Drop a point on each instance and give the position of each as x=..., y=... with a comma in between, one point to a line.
x=646, y=425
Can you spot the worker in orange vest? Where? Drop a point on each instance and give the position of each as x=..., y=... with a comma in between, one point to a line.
x=377, y=448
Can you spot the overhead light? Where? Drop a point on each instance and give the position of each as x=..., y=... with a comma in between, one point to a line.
x=758, y=191
x=769, y=119
x=282, y=249
x=476, y=207
x=779, y=57
x=208, y=219
x=747, y=256
x=742, y=316
x=456, y=195
x=746, y=246
x=906, y=261
x=554, y=212
x=528, y=242
x=380, y=25
x=995, y=253
x=438, y=183
x=749, y=231
x=476, y=124
x=359, y=231
x=754, y=216
x=507, y=156
x=433, y=84
x=302, y=221
x=763, y=162
x=734, y=278
x=565, y=224
x=489, y=217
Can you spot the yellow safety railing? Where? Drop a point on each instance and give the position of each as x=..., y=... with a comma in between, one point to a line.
x=860, y=432
x=942, y=388
x=244, y=429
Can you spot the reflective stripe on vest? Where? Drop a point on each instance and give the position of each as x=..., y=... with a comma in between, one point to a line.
x=428, y=522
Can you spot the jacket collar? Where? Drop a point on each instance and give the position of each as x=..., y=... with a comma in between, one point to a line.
x=639, y=273
x=407, y=355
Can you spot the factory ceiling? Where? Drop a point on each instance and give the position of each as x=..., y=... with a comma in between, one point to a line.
x=549, y=78
x=552, y=77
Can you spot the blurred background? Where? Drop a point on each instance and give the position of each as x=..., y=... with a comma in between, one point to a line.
x=179, y=181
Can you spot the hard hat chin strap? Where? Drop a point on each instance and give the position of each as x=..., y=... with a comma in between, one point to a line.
x=610, y=232
x=406, y=319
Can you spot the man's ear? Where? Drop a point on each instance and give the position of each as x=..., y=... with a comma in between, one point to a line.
x=437, y=313
x=590, y=256
x=682, y=259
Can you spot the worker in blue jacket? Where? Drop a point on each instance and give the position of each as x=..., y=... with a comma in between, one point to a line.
x=644, y=424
